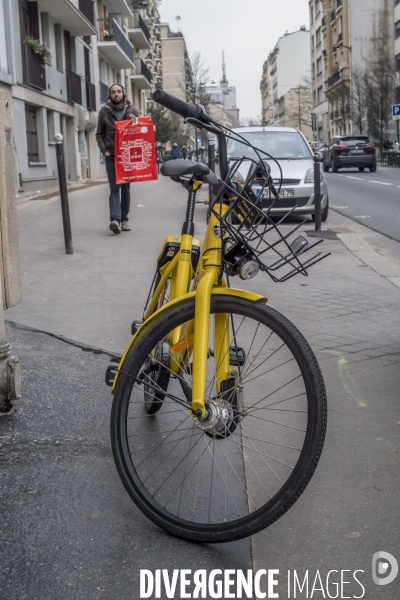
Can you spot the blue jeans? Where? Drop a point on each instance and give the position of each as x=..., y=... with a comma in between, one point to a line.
x=119, y=209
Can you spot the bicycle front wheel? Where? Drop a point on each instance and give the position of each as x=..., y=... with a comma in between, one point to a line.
x=236, y=472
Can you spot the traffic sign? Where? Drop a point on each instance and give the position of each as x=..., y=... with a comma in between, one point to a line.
x=396, y=112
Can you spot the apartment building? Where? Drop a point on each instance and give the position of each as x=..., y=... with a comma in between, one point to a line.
x=176, y=67
x=349, y=29
x=286, y=67
x=51, y=95
x=318, y=71
x=88, y=45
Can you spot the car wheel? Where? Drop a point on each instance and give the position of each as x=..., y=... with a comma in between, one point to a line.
x=372, y=169
x=334, y=167
x=361, y=169
x=325, y=212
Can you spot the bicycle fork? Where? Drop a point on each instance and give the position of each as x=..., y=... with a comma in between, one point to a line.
x=208, y=274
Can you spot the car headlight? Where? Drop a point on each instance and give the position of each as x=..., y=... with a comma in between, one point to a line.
x=238, y=178
x=309, y=178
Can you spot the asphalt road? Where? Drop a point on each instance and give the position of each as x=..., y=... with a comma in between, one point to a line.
x=372, y=199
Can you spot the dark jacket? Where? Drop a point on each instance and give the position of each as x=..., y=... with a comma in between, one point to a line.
x=105, y=134
x=175, y=152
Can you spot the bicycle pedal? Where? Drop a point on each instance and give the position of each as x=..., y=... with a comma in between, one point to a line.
x=135, y=326
x=111, y=372
x=237, y=356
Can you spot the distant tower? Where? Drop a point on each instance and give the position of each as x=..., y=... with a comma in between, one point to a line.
x=224, y=81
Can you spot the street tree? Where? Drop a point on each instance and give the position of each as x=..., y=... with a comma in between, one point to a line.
x=380, y=83
x=165, y=127
x=358, y=99
x=299, y=108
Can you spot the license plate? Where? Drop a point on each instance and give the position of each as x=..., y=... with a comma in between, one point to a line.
x=357, y=151
x=283, y=193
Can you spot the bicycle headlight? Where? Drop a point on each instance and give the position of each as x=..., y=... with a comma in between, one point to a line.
x=240, y=261
x=248, y=268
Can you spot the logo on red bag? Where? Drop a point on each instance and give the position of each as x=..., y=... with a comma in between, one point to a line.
x=136, y=154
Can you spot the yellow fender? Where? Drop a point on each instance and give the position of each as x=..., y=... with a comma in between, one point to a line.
x=217, y=291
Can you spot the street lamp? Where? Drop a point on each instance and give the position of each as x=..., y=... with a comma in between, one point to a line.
x=341, y=45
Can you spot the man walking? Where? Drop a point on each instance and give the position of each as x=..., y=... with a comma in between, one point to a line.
x=118, y=108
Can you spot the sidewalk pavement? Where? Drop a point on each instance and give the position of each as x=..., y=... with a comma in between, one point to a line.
x=69, y=522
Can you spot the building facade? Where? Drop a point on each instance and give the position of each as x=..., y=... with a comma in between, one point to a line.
x=287, y=67
x=318, y=71
x=349, y=30
x=58, y=58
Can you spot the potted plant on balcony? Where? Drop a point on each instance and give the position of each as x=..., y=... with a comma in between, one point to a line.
x=40, y=48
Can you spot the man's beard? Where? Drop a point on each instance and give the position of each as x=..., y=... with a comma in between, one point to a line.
x=119, y=105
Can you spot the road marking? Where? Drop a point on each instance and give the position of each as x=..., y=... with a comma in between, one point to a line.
x=362, y=216
x=380, y=182
x=343, y=206
x=350, y=177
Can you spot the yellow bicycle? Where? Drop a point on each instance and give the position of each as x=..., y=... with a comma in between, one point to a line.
x=219, y=411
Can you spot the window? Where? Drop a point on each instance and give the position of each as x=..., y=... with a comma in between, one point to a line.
x=312, y=43
x=44, y=17
x=319, y=65
x=398, y=61
x=50, y=126
x=31, y=133
x=397, y=29
x=318, y=36
x=312, y=15
x=320, y=94
x=59, y=47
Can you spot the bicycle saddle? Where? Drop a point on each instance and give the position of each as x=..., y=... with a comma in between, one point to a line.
x=178, y=167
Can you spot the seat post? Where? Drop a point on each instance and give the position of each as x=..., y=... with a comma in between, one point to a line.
x=188, y=225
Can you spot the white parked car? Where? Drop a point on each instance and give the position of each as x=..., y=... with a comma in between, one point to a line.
x=292, y=151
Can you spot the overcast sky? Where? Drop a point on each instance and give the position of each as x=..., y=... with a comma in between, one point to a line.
x=247, y=30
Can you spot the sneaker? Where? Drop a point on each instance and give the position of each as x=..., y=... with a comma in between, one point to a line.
x=114, y=226
x=125, y=226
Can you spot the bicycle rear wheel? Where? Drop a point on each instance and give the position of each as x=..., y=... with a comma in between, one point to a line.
x=236, y=473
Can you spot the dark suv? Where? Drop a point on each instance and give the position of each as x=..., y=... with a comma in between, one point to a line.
x=350, y=151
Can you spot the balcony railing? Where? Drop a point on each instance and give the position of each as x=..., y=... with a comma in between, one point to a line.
x=34, y=71
x=333, y=79
x=87, y=8
x=110, y=31
x=91, y=96
x=74, y=87
x=141, y=69
x=136, y=22
x=103, y=92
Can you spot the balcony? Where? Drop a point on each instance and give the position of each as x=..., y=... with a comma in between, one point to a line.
x=76, y=21
x=87, y=9
x=120, y=6
x=114, y=44
x=34, y=71
x=142, y=77
x=138, y=32
x=91, y=96
x=103, y=92
x=335, y=78
x=74, y=87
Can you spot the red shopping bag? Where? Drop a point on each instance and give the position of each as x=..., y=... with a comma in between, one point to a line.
x=135, y=153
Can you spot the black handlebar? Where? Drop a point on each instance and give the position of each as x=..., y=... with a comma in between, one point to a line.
x=184, y=109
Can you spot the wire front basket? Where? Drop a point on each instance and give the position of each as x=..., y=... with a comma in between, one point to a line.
x=248, y=227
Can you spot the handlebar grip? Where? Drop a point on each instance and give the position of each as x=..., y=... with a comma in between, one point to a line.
x=184, y=109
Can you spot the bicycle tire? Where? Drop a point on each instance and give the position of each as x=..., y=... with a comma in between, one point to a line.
x=127, y=431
